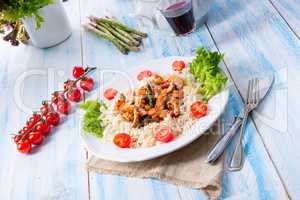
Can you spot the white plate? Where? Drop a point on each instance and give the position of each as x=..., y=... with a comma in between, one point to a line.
x=110, y=152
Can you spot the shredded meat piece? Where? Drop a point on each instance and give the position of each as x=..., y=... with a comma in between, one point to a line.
x=127, y=112
x=142, y=91
x=161, y=99
x=119, y=104
x=177, y=81
x=140, y=111
x=127, y=116
x=152, y=111
x=173, y=106
x=157, y=79
x=136, y=118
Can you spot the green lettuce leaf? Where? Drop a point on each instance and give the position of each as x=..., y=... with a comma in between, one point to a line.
x=92, y=123
x=205, y=70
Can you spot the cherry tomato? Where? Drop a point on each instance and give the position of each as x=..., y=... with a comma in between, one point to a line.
x=24, y=146
x=87, y=84
x=43, y=127
x=199, y=109
x=22, y=132
x=34, y=118
x=44, y=108
x=122, y=140
x=64, y=106
x=68, y=83
x=178, y=65
x=55, y=97
x=78, y=71
x=17, y=138
x=164, y=135
x=74, y=95
x=144, y=74
x=165, y=84
x=29, y=125
x=25, y=129
x=110, y=93
x=53, y=118
x=36, y=137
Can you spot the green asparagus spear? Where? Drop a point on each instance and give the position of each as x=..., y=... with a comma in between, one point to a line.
x=121, y=42
x=131, y=48
x=128, y=36
x=116, y=34
x=121, y=33
x=119, y=25
x=107, y=37
x=135, y=36
x=100, y=28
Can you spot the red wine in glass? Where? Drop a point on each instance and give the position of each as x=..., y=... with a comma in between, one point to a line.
x=180, y=17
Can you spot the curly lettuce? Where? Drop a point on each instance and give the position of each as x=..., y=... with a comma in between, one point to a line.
x=92, y=123
x=205, y=70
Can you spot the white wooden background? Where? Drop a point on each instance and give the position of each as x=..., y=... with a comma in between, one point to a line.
x=257, y=37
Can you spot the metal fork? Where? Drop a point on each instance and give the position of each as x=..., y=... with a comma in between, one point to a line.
x=253, y=98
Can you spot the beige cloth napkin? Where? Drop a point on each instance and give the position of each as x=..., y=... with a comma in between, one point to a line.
x=184, y=167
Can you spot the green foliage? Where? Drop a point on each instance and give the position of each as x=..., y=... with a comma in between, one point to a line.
x=206, y=71
x=92, y=123
x=14, y=10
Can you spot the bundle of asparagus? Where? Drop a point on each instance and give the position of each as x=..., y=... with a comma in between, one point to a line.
x=124, y=38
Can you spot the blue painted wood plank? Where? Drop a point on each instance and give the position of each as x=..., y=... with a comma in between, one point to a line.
x=290, y=11
x=56, y=171
x=257, y=41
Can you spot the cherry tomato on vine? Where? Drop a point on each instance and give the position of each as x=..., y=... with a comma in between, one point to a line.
x=17, y=138
x=78, y=71
x=110, y=93
x=55, y=97
x=44, y=108
x=164, y=135
x=199, y=109
x=29, y=125
x=25, y=129
x=64, y=106
x=34, y=118
x=122, y=140
x=74, y=95
x=35, y=137
x=68, y=83
x=144, y=74
x=178, y=65
x=24, y=146
x=43, y=127
x=53, y=118
x=22, y=132
x=87, y=84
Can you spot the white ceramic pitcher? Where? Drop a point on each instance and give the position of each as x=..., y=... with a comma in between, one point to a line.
x=55, y=28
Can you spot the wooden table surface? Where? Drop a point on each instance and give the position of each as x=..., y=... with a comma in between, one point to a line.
x=257, y=37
